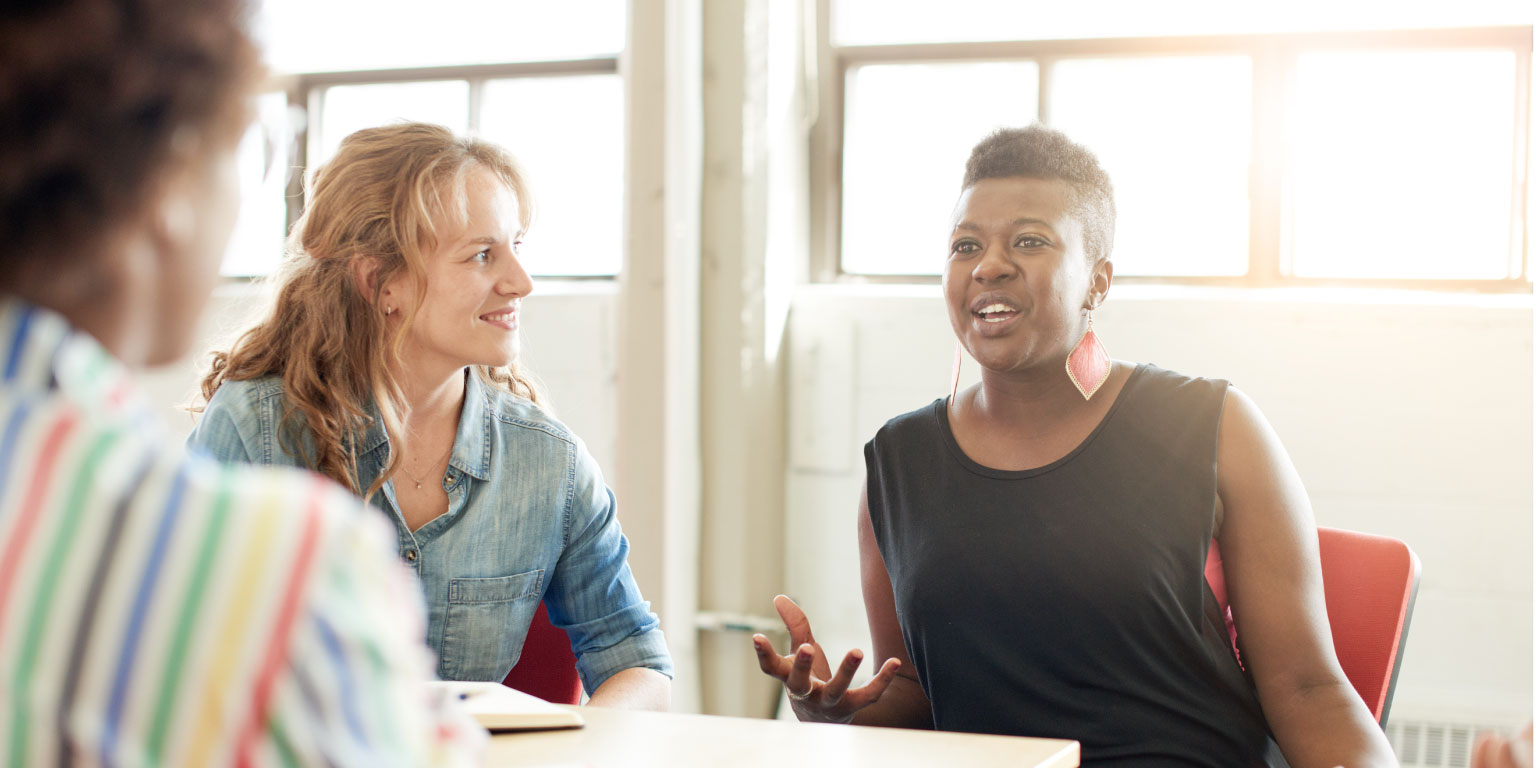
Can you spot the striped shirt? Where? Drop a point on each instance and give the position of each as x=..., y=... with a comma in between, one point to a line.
x=159, y=609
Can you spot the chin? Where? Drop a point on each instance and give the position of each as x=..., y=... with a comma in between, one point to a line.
x=500, y=359
x=167, y=349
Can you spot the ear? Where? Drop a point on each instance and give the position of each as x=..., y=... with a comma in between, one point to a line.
x=365, y=275
x=1098, y=283
x=171, y=223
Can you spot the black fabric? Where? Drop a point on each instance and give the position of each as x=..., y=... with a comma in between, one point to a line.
x=1070, y=600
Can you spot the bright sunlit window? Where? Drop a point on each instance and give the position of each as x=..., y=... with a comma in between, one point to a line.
x=1247, y=146
x=264, y=161
x=539, y=78
x=1174, y=135
x=344, y=109
x=567, y=132
x=1404, y=165
x=898, y=193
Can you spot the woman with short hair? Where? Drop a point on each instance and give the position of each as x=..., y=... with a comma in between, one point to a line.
x=1033, y=547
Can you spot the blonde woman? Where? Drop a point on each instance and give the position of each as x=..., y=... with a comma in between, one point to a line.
x=389, y=364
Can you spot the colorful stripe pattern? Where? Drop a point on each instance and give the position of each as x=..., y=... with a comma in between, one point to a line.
x=157, y=609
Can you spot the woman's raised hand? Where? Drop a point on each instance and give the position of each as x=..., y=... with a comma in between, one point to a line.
x=815, y=694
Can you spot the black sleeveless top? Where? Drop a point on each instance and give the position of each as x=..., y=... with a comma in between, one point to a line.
x=1070, y=600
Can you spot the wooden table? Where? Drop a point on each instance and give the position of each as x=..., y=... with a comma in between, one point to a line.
x=614, y=738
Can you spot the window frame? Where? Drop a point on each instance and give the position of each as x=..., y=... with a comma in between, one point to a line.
x=307, y=92
x=1274, y=62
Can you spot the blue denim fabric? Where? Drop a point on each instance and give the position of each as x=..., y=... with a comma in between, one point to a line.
x=528, y=518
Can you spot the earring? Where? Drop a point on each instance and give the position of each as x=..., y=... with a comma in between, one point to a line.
x=389, y=311
x=1088, y=365
x=954, y=378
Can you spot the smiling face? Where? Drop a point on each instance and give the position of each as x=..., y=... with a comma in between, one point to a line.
x=1017, y=280
x=474, y=284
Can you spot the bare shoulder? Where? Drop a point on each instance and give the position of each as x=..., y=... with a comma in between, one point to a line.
x=1246, y=441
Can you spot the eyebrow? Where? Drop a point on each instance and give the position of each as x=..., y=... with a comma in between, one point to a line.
x=487, y=239
x=969, y=227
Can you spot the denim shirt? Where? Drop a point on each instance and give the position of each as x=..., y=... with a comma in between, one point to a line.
x=529, y=518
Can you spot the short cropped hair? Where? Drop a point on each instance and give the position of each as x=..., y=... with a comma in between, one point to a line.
x=98, y=99
x=1039, y=152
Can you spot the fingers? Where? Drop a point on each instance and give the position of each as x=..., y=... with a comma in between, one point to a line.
x=870, y=692
x=1495, y=751
x=769, y=660
x=799, y=681
x=838, y=685
x=794, y=620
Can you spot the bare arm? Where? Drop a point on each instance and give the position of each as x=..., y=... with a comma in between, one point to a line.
x=1269, y=548
x=634, y=688
x=904, y=705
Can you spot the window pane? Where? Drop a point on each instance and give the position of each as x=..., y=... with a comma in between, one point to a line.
x=908, y=130
x=575, y=166
x=873, y=22
x=265, y=159
x=341, y=35
x=1402, y=164
x=1174, y=135
x=348, y=108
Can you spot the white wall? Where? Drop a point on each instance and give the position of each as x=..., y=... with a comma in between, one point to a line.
x=1408, y=415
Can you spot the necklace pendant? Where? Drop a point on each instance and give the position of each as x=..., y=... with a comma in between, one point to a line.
x=418, y=485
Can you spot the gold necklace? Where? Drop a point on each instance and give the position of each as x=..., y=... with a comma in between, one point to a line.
x=418, y=480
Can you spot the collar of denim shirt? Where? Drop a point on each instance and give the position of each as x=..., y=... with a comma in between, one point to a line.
x=472, y=442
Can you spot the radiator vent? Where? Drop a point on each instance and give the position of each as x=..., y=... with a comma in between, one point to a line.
x=1437, y=744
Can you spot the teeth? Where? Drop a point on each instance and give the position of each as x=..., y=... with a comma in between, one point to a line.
x=503, y=317
x=990, y=308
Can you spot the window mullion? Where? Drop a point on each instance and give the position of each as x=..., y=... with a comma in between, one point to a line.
x=1043, y=105
x=1519, y=238
x=476, y=101
x=826, y=175
x=1268, y=236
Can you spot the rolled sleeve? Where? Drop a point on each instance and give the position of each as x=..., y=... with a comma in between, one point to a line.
x=593, y=595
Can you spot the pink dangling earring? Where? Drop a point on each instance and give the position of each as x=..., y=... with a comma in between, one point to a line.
x=1088, y=365
x=954, y=378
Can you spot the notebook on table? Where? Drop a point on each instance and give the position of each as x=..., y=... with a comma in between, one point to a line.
x=499, y=708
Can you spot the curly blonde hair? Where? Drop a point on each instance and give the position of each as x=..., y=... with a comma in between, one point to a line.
x=378, y=199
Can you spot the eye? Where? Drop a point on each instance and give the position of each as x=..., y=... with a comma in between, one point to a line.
x=517, y=246
x=481, y=257
x=1031, y=241
x=965, y=248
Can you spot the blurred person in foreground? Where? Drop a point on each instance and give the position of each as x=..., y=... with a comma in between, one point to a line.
x=157, y=609
x=1033, y=547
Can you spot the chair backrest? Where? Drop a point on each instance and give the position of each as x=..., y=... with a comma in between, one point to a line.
x=1370, y=583
x=547, y=666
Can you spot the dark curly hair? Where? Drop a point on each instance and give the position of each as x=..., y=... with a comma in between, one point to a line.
x=1039, y=152
x=98, y=98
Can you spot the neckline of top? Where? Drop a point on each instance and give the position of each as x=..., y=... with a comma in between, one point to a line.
x=941, y=415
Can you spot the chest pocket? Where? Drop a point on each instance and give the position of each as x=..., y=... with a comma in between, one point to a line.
x=486, y=623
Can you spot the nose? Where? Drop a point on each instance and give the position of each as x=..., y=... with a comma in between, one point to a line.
x=994, y=265
x=515, y=280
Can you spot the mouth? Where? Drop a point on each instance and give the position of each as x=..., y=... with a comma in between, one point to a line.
x=994, y=309
x=505, y=319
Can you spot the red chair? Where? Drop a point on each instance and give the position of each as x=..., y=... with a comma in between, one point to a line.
x=547, y=666
x=1370, y=583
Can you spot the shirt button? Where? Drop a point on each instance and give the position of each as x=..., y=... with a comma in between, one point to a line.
x=410, y=554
